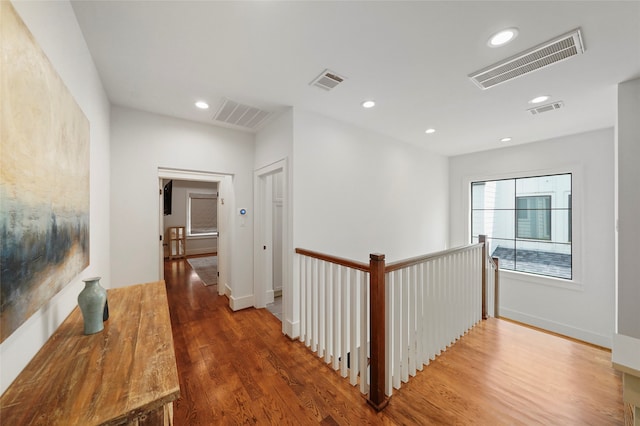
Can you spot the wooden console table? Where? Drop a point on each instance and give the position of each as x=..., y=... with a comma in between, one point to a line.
x=123, y=375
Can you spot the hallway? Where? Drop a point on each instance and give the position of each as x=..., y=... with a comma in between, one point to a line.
x=238, y=368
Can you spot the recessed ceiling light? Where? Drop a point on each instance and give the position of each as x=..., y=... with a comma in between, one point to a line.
x=430, y=131
x=502, y=37
x=539, y=99
x=505, y=140
x=369, y=104
x=202, y=105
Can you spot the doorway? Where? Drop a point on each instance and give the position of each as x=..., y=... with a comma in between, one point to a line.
x=271, y=250
x=202, y=184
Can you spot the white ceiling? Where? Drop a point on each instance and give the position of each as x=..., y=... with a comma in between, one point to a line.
x=413, y=58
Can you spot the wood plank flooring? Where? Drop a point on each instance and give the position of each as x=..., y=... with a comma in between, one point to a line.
x=238, y=368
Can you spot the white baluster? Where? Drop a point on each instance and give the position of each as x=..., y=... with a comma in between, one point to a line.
x=412, y=313
x=337, y=324
x=389, y=310
x=321, y=308
x=328, y=326
x=397, y=326
x=427, y=330
x=364, y=332
x=353, y=327
x=314, y=305
x=309, y=296
x=344, y=315
x=404, y=338
x=303, y=298
x=420, y=349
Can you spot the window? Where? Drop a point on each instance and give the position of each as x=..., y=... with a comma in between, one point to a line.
x=527, y=222
x=569, y=217
x=534, y=217
x=202, y=215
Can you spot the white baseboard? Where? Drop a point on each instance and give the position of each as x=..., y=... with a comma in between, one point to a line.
x=626, y=354
x=243, y=302
x=556, y=327
x=205, y=250
x=291, y=329
x=269, y=297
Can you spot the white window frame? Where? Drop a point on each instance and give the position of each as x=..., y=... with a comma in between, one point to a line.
x=550, y=221
x=578, y=252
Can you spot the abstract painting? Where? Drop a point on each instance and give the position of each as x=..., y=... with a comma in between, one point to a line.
x=44, y=177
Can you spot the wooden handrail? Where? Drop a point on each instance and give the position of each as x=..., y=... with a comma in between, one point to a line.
x=394, y=266
x=361, y=266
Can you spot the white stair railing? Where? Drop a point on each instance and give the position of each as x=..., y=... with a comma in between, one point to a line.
x=431, y=302
x=334, y=315
x=378, y=324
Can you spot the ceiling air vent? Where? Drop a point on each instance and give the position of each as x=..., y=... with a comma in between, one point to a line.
x=237, y=114
x=327, y=80
x=545, y=54
x=544, y=108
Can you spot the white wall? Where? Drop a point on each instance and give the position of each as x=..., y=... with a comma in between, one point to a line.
x=626, y=346
x=584, y=308
x=55, y=28
x=274, y=142
x=140, y=143
x=629, y=208
x=357, y=192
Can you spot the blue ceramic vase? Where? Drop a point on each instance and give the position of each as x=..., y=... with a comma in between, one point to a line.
x=92, y=300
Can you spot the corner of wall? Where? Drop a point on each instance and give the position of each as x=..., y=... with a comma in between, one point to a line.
x=291, y=329
x=238, y=303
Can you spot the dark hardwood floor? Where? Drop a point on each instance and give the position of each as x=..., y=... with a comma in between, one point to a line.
x=238, y=368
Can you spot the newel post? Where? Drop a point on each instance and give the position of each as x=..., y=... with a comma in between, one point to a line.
x=496, y=304
x=483, y=239
x=377, y=321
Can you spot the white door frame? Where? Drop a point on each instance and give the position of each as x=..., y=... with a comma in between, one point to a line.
x=224, y=216
x=263, y=226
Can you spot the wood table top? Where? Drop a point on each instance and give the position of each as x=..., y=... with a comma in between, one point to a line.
x=109, y=377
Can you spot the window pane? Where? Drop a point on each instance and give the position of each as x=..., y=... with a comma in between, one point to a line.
x=561, y=226
x=497, y=194
x=505, y=251
x=203, y=215
x=552, y=259
x=477, y=195
x=534, y=217
x=495, y=223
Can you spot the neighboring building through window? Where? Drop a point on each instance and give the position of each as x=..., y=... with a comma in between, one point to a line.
x=533, y=217
x=527, y=222
x=202, y=214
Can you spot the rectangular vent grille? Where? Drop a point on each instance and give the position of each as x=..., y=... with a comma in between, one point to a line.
x=237, y=114
x=327, y=80
x=544, y=108
x=543, y=55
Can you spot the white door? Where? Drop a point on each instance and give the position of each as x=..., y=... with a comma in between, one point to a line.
x=270, y=229
x=276, y=236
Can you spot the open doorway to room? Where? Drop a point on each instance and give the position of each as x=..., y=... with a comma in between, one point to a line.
x=190, y=215
x=193, y=224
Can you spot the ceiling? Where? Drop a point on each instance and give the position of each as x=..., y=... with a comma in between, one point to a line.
x=413, y=58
